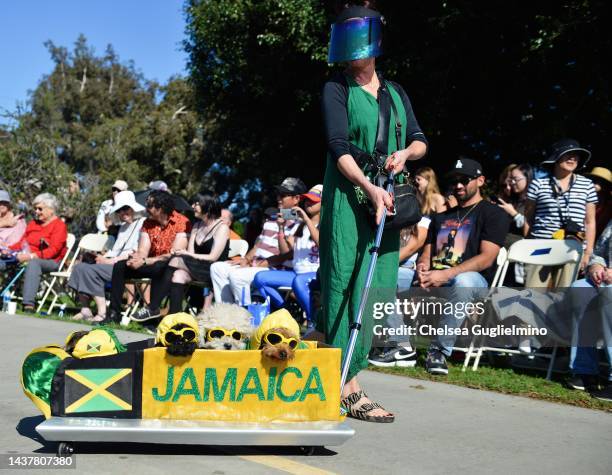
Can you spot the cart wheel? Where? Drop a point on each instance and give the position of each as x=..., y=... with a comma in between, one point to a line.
x=310, y=449
x=65, y=449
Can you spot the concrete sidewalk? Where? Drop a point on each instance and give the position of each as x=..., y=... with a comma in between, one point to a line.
x=439, y=428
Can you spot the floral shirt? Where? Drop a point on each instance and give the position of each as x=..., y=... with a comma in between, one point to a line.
x=162, y=238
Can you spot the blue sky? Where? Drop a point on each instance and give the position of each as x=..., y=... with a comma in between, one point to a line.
x=146, y=31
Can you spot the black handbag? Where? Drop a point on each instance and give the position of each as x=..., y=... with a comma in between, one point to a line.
x=406, y=205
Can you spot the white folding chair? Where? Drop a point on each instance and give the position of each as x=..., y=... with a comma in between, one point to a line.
x=88, y=243
x=238, y=247
x=541, y=252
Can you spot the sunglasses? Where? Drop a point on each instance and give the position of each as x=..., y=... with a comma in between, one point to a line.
x=39, y=208
x=464, y=180
x=185, y=334
x=124, y=209
x=274, y=338
x=215, y=333
x=115, y=189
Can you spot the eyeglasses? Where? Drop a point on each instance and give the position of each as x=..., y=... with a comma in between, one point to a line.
x=274, y=338
x=39, y=208
x=115, y=189
x=514, y=181
x=185, y=334
x=464, y=180
x=219, y=332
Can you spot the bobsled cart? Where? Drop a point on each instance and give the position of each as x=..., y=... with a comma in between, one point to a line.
x=228, y=398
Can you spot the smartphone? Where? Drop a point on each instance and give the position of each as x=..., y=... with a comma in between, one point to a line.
x=288, y=214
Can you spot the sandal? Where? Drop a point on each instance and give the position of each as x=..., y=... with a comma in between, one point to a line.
x=84, y=314
x=361, y=412
x=97, y=319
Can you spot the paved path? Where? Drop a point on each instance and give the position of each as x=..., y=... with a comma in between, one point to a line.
x=439, y=429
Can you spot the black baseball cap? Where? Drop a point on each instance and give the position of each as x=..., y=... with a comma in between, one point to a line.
x=291, y=186
x=466, y=167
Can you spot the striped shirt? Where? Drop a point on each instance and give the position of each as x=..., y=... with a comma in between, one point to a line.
x=267, y=242
x=553, y=211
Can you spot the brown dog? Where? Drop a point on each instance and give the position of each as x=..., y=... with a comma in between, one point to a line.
x=279, y=344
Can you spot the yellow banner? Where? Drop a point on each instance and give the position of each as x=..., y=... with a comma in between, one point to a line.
x=241, y=386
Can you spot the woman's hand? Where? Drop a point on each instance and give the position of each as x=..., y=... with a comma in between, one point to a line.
x=381, y=200
x=396, y=161
x=24, y=257
x=508, y=208
x=597, y=274
x=104, y=260
x=301, y=213
x=585, y=261
x=181, y=252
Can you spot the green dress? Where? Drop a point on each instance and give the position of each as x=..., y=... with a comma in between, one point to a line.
x=346, y=236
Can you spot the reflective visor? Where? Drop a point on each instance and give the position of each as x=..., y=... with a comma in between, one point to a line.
x=356, y=38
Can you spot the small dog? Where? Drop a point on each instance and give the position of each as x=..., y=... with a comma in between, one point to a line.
x=225, y=327
x=278, y=336
x=179, y=333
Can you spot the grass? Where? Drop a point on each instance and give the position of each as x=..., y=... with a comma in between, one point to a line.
x=506, y=381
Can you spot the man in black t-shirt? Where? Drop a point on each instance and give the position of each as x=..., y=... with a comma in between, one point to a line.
x=460, y=253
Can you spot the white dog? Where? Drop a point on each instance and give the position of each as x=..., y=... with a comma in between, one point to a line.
x=225, y=326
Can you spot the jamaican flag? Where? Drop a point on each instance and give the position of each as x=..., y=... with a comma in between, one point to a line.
x=99, y=387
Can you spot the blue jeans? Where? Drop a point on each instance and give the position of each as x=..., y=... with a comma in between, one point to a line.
x=464, y=288
x=584, y=359
x=267, y=282
x=396, y=320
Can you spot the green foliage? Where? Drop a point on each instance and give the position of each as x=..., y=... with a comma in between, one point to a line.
x=98, y=119
x=498, y=81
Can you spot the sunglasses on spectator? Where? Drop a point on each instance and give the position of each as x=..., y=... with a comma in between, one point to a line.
x=39, y=208
x=214, y=333
x=124, y=209
x=115, y=189
x=274, y=338
x=464, y=180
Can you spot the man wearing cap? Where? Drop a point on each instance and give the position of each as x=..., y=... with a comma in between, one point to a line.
x=561, y=206
x=103, y=220
x=232, y=279
x=460, y=253
x=11, y=227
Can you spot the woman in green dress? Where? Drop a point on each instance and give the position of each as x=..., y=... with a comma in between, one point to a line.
x=350, y=110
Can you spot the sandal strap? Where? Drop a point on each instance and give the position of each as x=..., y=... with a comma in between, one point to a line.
x=352, y=399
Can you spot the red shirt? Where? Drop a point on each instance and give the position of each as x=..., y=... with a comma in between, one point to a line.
x=46, y=241
x=163, y=238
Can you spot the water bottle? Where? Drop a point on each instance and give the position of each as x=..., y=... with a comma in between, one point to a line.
x=6, y=298
x=61, y=310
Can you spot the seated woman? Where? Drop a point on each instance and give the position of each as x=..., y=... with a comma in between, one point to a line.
x=208, y=243
x=305, y=246
x=12, y=227
x=89, y=279
x=42, y=247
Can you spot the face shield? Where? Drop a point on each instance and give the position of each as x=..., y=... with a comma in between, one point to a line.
x=356, y=38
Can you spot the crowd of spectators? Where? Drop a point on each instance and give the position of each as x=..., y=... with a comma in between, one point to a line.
x=454, y=245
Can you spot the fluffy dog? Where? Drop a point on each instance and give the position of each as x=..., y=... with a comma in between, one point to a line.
x=225, y=327
x=179, y=333
x=278, y=336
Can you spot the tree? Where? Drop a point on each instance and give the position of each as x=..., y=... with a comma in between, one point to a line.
x=495, y=81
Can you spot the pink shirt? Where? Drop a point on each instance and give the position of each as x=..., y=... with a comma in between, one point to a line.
x=10, y=236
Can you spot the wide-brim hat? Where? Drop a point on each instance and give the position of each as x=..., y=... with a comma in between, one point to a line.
x=602, y=173
x=120, y=185
x=564, y=146
x=4, y=196
x=126, y=198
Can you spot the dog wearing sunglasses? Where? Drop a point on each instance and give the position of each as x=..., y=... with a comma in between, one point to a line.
x=225, y=327
x=179, y=333
x=278, y=336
